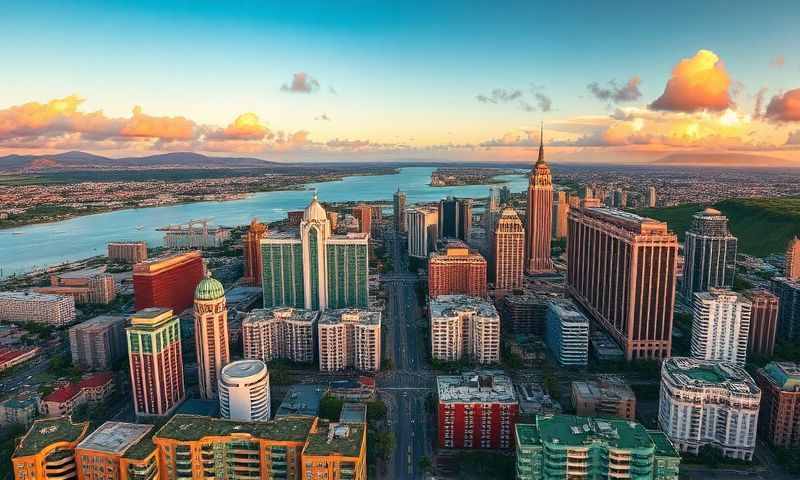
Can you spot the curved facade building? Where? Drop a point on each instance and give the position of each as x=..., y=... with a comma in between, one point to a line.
x=244, y=391
x=47, y=451
x=211, y=333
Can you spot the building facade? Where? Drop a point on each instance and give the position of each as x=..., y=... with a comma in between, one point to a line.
x=156, y=366
x=335, y=451
x=127, y=252
x=103, y=454
x=168, y=281
x=85, y=286
x=282, y=332
x=421, y=226
x=44, y=308
x=455, y=218
x=20, y=410
x=349, y=338
x=709, y=252
x=47, y=451
x=476, y=410
x=97, y=343
x=363, y=213
x=399, y=202
x=567, y=333
x=707, y=402
x=779, y=422
x=622, y=270
x=210, y=334
x=788, y=293
x=792, y=261
x=763, y=323
x=539, y=217
x=507, y=251
x=457, y=271
x=606, y=396
x=244, y=391
x=720, y=326
x=251, y=244
x=464, y=327
x=560, y=212
x=524, y=312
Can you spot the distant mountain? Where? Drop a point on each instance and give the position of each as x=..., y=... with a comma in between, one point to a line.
x=75, y=160
x=737, y=160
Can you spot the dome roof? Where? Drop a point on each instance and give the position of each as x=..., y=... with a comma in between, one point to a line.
x=209, y=289
x=711, y=211
x=314, y=211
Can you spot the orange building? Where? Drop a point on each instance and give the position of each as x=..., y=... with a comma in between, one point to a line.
x=86, y=286
x=252, y=253
x=363, y=214
x=335, y=450
x=47, y=451
x=507, y=254
x=118, y=451
x=455, y=271
x=539, y=217
x=167, y=281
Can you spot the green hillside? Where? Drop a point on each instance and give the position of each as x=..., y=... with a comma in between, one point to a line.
x=763, y=225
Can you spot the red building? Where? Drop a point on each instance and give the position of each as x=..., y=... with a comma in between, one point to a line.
x=476, y=411
x=252, y=253
x=455, y=271
x=295, y=217
x=763, y=323
x=779, y=418
x=363, y=214
x=539, y=217
x=167, y=281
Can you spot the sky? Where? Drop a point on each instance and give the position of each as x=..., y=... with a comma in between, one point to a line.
x=401, y=80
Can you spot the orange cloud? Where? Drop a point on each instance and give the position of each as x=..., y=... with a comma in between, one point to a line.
x=58, y=116
x=165, y=128
x=697, y=83
x=785, y=107
x=246, y=126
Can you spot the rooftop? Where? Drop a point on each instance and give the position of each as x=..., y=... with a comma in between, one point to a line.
x=786, y=375
x=187, y=428
x=47, y=432
x=690, y=372
x=284, y=313
x=450, y=305
x=353, y=413
x=243, y=369
x=574, y=431
x=209, y=288
x=101, y=321
x=28, y=296
x=196, y=406
x=476, y=387
x=628, y=220
x=336, y=439
x=115, y=437
x=664, y=447
x=350, y=315
x=567, y=311
x=302, y=400
x=604, y=388
x=85, y=273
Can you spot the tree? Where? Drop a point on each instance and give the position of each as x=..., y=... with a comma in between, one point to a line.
x=425, y=464
x=376, y=410
x=330, y=408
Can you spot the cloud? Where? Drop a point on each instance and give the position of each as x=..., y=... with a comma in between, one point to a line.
x=246, y=126
x=500, y=95
x=543, y=102
x=785, y=107
x=616, y=93
x=759, y=104
x=794, y=138
x=324, y=117
x=697, y=83
x=778, y=62
x=165, y=128
x=301, y=83
x=514, y=138
x=348, y=144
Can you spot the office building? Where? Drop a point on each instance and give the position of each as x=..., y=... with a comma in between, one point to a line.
x=44, y=308
x=167, y=281
x=280, y=333
x=720, y=326
x=650, y=197
x=20, y=410
x=493, y=203
x=476, y=410
x=98, y=343
x=127, y=252
x=507, y=251
x=251, y=245
x=560, y=212
x=363, y=213
x=763, y=323
x=708, y=402
x=194, y=235
x=788, y=293
x=94, y=390
x=104, y=454
x=567, y=334
x=154, y=355
x=456, y=271
x=464, y=327
x=349, y=338
x=421, y=225
x=335, y=451
x=539, y=216
x=779, y=422
x=210, y=334
x=399, y=211
x=312, y=268
x=47, y=451
x=622, y=270
x=571, y=447
x=792, y=260
x=606, y=396
x=523, y=312
x=604, y=348
x=455, y=218
x=709, y=252
x=85, y=286
x=244, y=391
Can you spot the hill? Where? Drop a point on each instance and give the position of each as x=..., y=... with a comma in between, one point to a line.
x=86, y=161
x=763, y=225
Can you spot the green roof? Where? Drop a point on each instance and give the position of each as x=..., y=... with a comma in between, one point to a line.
x=527, y=434
x=209, y=289
x=48, y=431
x=704, y=374
x=570, y=430
x=786, y=375
x=664, y=447
x=142, y=448
x=345, y=442
x=188, y=428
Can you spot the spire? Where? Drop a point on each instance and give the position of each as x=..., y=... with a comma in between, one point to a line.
x=541, y=145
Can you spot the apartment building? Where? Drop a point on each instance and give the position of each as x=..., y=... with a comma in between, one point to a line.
x=244, y=391
x=92, y=390
x=456, y=271
x=567, y=333
x=127, y=252
x=349, y=338
x=335, y=451
x=464, y=327
x=103, y=454
x=55, y=310
x=47, y=451
x=85, y=286
x=763, y=323
x=779, y=422
x=721, y=326
x=422, y=228
x=167, y=281
x=605, y=396
x=98, y=343
x=280, y=332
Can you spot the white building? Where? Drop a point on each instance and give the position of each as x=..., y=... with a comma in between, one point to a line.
x=56, y=310
x=244, y=391
x=193, y=235
x=349, y=338
x=721, y=326
x=422, y=226
x=281, y=332
x=464, y=327
x=567, y=333
x=706, y=402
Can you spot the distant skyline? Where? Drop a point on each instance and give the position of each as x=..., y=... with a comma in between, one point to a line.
x=372, y=80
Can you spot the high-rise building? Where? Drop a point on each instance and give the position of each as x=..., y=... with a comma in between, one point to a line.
x=763, y=323
x=117, y=451
x=127, y=252
x=476, y=410
x=456, y=271
x=421, y=223
x=565, y=446
x=651, y=197
x=47, y=451
x=85, y=286
x=560, y=212
x=721, y=326
x=98, y=343
x=251, y=244
x=494, y=202
x=44, y=308
x=363, y=214
x=244, y=391
x=779, y=422
x=607, y=396
x=788, y=293
x=154, y=353
x=210, y=334
x=507, y=251
x=167, y=281
x=335, y=450
x=464, y=327
x=349, y=338
x=708, y=402
x=455, y=218
x=709, y=252
x=505, y=195
x=281, y=332
x=399, y=211
x=792, y=262
x=567, y=333
x=539, y=216
x=313, y=268
x=622, y=270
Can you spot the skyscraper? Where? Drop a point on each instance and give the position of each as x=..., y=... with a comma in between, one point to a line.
x=464, y=327
x=792, y=268
x=651, y=197
x=457, y=270
x=252, y=253
x=709, y=254
x=423, y=231
x=507, y=254
x=399, y=211
x=154, y=352
x=97, y=343
x=622, y=270
x=312, y=268
x=210, y=333
x=539, y=215
x=455, y=218
x=167, y=281
x=779, y=422
x=721, y=326
x=788, y=293
x=567, y=333
x=763, y=323
x=244, y=391
x=560, y=212
x=363, y=214
x=350, y=338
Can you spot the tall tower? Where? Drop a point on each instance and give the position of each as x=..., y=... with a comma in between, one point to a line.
x=721, y=326
x=252, y=253
x=399, y=211
x=539, y=214
x=792, y=270
x=244, y=391
x=507, y=251
x=210, y=333
x=709, y=253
